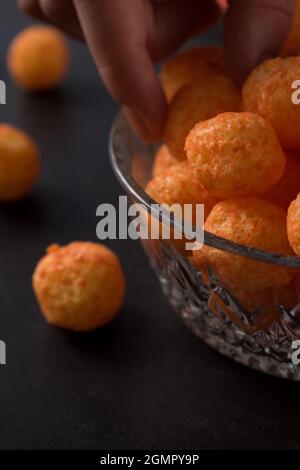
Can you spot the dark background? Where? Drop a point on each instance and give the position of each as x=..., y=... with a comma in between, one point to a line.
x=143, y=382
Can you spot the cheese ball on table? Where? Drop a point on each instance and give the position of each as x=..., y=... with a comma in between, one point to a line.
x=293, y=225
x=19, y=163
x=254, y=223
x=287, y=188
x=79, y=286
x=200, y=101
x=235, y=154
x=190, y=66
x=38, y=58
x=268, y=92
x=291, y=45
x=163, y=160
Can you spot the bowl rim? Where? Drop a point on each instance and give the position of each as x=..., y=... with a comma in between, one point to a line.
x=121, y=125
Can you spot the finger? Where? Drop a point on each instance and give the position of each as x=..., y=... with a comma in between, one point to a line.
x=254, y=31
x=116, y=34
x=174, y=21
x=32, y=8
x=62, y=13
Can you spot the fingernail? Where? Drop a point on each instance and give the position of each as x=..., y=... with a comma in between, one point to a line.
x=144, y=130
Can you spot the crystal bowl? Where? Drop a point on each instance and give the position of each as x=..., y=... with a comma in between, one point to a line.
x=208, y=309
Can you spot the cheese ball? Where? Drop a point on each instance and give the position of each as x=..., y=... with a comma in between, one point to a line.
x=296, y=286
x=254, y=223
x=287, y=188
x=177, y=185
x=257, y=306
x=190, y=66
x=235, y=154
x=38, y=58
x=291, y=45
x=163, y=160
x=19, y=163
x=293, y=224
x=285, y=296
x=198, y=102
x=79, y=286
x=268, y=92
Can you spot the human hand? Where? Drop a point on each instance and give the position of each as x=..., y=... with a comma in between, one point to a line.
x=126, y=38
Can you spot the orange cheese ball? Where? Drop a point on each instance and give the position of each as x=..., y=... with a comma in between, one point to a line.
x=195, y=103
x=79, y=286
x=257, y=306
x=287, y=188
x=268, y=92
x=235, y=154
x=291, y=45
x=260, y=306
x=190, y=66
x=19, y=163
x=253, y=301
x=255, y=223
x=176, y=185
x=293, y=225
x=286, y=296
x=38, y=58
x=162, y=160
x=296, y=285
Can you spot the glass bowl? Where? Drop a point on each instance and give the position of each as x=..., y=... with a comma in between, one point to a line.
x=210, y=310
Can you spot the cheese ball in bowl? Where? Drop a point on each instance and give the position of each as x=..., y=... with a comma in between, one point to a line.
x=198, y=102
x=19, y=163
x=293, y=224
x=254, y=223
x=177, y=185
x=235, y=154
x=190, y=66
x=296, y=286
x=162, y=160
x=268, y=92
x=79, y=286
x=287, y=188
x=38, y=58
x=286, y=295
x=259, y=312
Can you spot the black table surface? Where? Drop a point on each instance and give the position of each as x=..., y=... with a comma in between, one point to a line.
x=143, y=382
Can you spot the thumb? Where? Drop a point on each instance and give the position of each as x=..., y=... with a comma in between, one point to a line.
x=254, y=31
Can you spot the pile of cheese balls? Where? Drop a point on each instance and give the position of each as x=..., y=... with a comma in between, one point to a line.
x=80, y=286
x=237, y=151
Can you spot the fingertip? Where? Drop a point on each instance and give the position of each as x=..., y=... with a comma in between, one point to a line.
x=148, y=131
x=31, y=8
